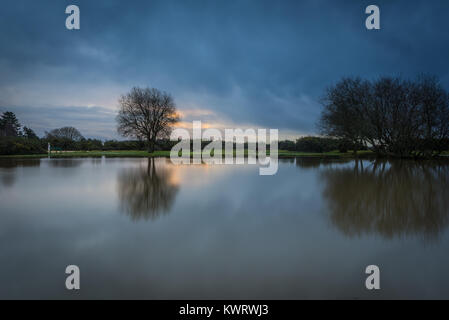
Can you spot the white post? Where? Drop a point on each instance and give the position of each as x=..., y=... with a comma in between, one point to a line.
x=49, y=149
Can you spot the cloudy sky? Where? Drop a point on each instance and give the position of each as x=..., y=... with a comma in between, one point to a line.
x=228, y=63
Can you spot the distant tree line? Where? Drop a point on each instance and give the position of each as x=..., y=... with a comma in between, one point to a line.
x=319, y=145
x=15, y=139
x=391, y=116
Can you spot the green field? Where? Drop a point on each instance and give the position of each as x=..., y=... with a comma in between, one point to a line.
x=141, y=154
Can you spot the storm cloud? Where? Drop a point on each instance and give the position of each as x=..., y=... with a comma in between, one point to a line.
x=259, y=63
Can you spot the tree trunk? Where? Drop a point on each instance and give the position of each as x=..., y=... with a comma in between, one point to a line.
x=150, y=147
x=151, y=144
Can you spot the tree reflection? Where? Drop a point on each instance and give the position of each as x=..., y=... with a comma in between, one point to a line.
x=392, y=199
x=315, y=163
x=8, y=169
x=65, y=163
x=146, y=193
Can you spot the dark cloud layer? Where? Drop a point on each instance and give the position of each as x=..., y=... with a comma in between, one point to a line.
x=256, y=62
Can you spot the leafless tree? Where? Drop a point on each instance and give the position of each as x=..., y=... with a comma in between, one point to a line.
x=391, y=115
x=343, y=114
x=434, y=115
x=147, y=114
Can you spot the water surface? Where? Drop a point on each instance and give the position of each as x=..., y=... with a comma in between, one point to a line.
x=139, y=228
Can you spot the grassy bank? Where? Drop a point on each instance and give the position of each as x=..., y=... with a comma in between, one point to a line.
x=141, y=154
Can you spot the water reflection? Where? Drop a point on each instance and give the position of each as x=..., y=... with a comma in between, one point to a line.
x=290, y=160
x=8, y=167
x=286, y=232
x=313, y=163
x=148, y=191
x=65, y=163
x=391, y=199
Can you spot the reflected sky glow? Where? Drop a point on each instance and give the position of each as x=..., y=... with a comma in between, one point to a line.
x=149, y=229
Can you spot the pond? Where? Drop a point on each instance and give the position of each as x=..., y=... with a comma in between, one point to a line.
x=148, y=229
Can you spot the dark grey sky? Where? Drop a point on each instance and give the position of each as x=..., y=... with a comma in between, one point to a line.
x=231, y=63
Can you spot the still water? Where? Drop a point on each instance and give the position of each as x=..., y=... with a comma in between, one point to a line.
x=140, y=228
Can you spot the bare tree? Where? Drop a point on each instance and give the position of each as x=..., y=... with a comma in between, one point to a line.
x=393, y=116
x=343, y=113
x=434, y=115
x=393, y=112
x=146, y=114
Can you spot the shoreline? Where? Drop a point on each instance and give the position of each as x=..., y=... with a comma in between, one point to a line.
x=145, y=154
x=282, y=154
